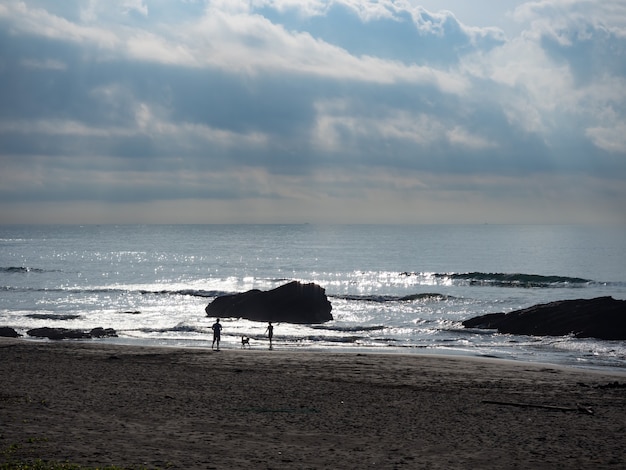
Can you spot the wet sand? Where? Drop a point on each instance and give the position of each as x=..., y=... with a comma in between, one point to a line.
x=95, y=404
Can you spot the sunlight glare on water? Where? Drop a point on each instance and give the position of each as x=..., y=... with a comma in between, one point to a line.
x=392, y=288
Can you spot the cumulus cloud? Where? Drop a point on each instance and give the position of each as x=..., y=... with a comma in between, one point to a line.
x=568, y=19
x=565, y=73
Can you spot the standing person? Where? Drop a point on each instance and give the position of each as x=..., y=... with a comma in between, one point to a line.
x=270, y=333
x=217, y=332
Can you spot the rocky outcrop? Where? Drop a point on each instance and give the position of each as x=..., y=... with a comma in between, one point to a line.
x=100, y=332
x=7, y=332
x=290, y=303
x=65, y=333
x=602, y=318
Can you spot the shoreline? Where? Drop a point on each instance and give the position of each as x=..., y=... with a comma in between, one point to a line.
x=98, y=403
x=617, y=370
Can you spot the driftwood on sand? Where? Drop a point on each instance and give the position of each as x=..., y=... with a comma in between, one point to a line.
x=579, y=408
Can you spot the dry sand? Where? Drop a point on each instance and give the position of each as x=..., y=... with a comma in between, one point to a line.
x=95, y=404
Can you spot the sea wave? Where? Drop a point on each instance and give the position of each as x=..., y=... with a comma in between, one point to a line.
x=117, y=290
x=21, y=269
x=179, y=328
x=348, y=329
x=328, y=339
x=428, y=296
x=53, y=316
x=508, y=279
x=184, y=292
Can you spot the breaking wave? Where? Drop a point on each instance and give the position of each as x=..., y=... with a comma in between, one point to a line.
x=53, y=316
x=393, y=298
x=113, y=290
x=508, y=279
x=21, y=269
x=348, y=329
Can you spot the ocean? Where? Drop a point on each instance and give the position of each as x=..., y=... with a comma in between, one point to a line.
x=393, y=289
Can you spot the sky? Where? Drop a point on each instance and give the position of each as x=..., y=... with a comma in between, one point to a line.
x=309, y=111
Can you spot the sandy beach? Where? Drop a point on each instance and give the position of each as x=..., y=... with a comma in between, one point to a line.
x=96, y=404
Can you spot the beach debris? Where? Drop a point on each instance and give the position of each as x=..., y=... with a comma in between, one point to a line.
x=291, y=410
x=602, y=318
x=615, y=384
x=293, y=302
x=579, y=408
x=65, y=333
x=607, y=386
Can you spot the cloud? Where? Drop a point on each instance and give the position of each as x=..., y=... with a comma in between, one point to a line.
x=567, y=19
x=612, y=139
x=340, y=107
x=567, y=70
x=48, y=64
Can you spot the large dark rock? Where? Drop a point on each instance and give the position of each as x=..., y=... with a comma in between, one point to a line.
x=57, y=333
x=602, y=318
x=65, y=333
x=7, y=332
x=290, y=303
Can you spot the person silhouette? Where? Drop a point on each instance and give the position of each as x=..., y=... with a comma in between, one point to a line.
x=270, y=332
x=217, y=333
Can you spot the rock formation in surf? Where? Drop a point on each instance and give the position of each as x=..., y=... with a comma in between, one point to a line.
x=8, y=332
x=65, y=333
x=290, y=303
x=602, y=318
